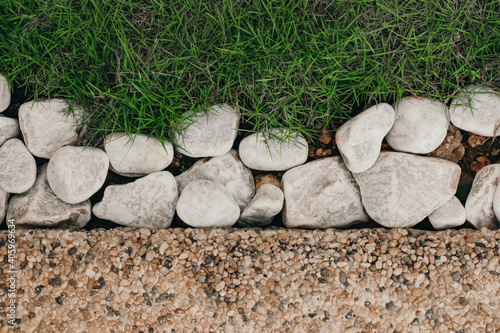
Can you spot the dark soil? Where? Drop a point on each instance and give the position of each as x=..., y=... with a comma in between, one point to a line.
x=479, y=152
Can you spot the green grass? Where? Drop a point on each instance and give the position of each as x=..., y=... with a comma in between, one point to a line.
x=138, y=65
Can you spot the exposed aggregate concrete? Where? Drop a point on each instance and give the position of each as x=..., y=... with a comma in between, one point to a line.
x=254, y=280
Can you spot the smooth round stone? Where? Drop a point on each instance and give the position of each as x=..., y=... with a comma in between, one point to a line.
x=76, y=173
x=4, y=93
x=449, y=215
x=265, y=205
x=9, y=129
x=479, y=207
x=46, y=126
x=18, y=167
x=420, y=125
x=206, y=204
x=138, y=155
x=208, y=134
x=279, y=151
x=148, y=202
x=400, y=190
x=40, y=207
x=477, y=110
x=359, y=139
x=321, y=194
x=4, y=196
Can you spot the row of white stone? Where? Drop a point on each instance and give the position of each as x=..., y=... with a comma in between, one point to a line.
x=222, y=189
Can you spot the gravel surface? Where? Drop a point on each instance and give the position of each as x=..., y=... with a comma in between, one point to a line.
x=254, y=280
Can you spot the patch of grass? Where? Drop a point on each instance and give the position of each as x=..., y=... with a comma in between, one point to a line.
x=138, y=66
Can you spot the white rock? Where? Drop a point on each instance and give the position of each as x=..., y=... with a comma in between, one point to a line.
x=138, y=155
x=400, y=190
x=46, y=126
x=479, y=205
x=265, y=205
x=420, y=125
x=321, y=194
x=260, y=151
x=4, y=93
x=4, y=196
x=477, y=110
x=18, y=167
x=449, y=215
x=228, y=171
x=359, y=139
x=149, y=202
x=40, y=207
x=205, y=203
x=9, y=129
x=208, y=134
x=76, y=173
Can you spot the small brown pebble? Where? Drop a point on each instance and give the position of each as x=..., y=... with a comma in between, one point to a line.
x=325, y=137
x=476, y=140
x=479, y=163
x=266, y=179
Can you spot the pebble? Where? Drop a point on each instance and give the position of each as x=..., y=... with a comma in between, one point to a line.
x=46, y=126
x=479, y=207
x=4, y=93
x=18, y=171
x=210, y=133
x=449, y=215
x=420, y=125
x=124, y=152
x=265, y=205
x=76, y=173
x=9, y=129
x=278, y=150
x=249, y=281
x=476, y=110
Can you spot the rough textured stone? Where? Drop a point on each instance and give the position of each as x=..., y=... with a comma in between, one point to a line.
x=278, y=151
x=477, y=110
x=265, y=205
x=18, y=167
x=40, y=207
x=4, y=93
x=46, y=125
x=400, y=190
x=321, y=194
x=452, y=148
x=9, y=129
x=359, y=139
x=138, y=155
x=228, y=171
x=149, y=202
x=4, y=196
x=449, y=215
x=420, y=125
x=76, y=173
x=208, y=134
x=205, y=203
x=479, y=205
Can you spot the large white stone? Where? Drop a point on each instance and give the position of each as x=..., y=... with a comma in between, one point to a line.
x=400, y=190
x=46, y=125
x=449, y=215
x=265, y=205
x=420, y=125
x=18, y=167
x=4, y=93
x=228, y=171
x=477, y=110
x=360, y=138
x=279, y=150
x=138, y=155
x=4, y=196
x=321, y=194
x=40, y=207
x=76, y=173
x=205, y=203
x=210, y=133
x=149, y=202
x=9, y=129
x=479, y=205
